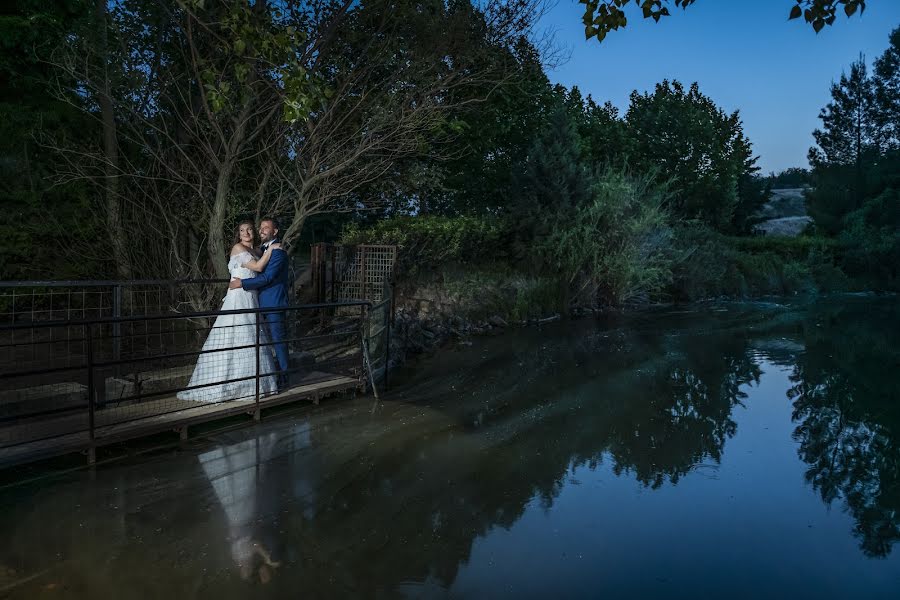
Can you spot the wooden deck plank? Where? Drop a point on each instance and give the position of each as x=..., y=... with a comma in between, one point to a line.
x=63, y=435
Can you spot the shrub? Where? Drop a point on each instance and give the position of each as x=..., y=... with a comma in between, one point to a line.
x=872, y=238
x=615, y=246
x=429, y=241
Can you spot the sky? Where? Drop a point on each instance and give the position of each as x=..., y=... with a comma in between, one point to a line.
x=744, y=54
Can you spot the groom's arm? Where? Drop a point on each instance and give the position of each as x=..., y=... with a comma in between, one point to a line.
x=276, y=262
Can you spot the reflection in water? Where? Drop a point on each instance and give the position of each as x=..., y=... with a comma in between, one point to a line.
x=236, y=473
x=644, y=415
x=847, y=405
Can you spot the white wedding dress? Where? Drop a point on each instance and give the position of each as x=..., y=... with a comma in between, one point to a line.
x=218, y=364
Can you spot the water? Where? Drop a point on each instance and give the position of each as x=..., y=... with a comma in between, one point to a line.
x=741, y=449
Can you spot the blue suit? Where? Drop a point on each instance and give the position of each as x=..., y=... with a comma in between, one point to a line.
x=272, y=285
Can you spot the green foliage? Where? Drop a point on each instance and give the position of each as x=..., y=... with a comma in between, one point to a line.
x=710, y=265
x=684, y=136
x=602, y=16
x=857, y=169
x=850, y=132
x=245, y=40
x=872, y=237
x=484, y=290
x=41, y=220
x=614, y=245
x=428, y=241
x=554, y=184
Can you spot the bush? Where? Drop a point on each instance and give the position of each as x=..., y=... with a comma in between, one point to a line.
x=872, y=238
x=615, y=246
x=429, y=241
x=709, y=265
x=497, y=289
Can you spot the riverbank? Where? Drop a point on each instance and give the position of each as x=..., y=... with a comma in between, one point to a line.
x=430, y=318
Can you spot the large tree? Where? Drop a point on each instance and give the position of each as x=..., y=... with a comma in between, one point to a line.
x=847, y=144
x=887, y=93
x=681, y=135
x=213, y=110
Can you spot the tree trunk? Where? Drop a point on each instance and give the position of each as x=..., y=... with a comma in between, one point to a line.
x=114, y=225
x=216, y=246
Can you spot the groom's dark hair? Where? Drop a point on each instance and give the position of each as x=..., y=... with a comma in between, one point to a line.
x=274, y=221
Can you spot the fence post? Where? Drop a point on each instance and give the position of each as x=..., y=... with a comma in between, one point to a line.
x=117, y=325
x=257, y=414
x=363, y=332
x=333, y=276
x=92, y=393
x=387, y=348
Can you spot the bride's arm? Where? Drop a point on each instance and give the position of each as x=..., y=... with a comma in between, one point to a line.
x=259, y=265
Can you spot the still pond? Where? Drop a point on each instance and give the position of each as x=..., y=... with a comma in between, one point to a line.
x=724, y=450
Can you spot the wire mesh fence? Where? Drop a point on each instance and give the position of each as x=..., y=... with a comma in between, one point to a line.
x=352, y=272
x=66, y=302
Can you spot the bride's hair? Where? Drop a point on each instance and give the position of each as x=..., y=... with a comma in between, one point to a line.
x=237, y=232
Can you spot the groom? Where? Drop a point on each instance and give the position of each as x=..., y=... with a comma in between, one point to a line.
x=272, y=285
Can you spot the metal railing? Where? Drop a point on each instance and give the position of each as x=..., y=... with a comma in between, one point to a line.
x=51, y=301
x=79, y=383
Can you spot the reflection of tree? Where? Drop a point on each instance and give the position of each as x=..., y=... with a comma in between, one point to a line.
x=685, y=418
x=355, y=505
x=659, y=417
x=847, y=409
x=406, y=504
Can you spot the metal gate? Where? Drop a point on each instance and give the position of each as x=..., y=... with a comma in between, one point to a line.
x=351, y=272
x=365, y=272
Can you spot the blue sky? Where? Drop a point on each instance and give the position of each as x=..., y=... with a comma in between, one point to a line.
x=776, y=72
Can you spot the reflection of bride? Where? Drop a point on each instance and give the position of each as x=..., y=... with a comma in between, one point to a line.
x=234, y=471
x=226, y=370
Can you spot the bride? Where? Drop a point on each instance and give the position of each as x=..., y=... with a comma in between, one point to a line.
x=226, y=368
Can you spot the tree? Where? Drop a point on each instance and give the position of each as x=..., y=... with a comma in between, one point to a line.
x=850, y=129
x=39, y=218
x=602, y=16
x=555, y=181
x=682, y=135
x=887, y=93
x=848, y=143
x=403, y=76
x=197, y=98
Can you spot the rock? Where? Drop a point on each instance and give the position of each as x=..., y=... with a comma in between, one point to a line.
x=497, y=321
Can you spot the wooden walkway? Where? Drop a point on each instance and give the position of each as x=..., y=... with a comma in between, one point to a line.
x=28, y=441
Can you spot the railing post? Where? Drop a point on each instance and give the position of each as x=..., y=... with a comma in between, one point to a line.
x=387, y=342
x=363, y=322
x=92, y=393
x=117, y=326
x=257, y=414
x=333, y=276
x=362, y=272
